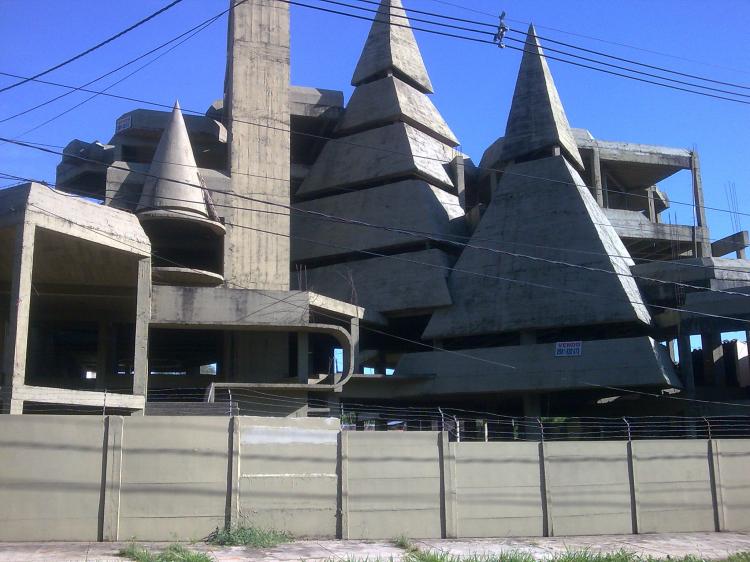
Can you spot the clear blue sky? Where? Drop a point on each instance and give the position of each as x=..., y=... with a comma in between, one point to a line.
x=473, y=83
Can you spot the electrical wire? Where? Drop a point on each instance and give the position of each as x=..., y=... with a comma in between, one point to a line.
x=95, y=47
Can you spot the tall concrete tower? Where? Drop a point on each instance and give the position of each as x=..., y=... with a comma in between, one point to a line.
x=257, y=119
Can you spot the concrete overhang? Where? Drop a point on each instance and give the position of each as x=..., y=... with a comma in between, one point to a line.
x=715, y=312
x=149, y=123
x=73, y=216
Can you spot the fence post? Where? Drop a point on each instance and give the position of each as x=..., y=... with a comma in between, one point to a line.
x=631, y=480
x=343, y=507
x=447, y=453
x=114, y=427
x=232, y=511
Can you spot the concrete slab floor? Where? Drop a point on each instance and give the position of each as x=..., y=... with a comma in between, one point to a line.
x=709, y=546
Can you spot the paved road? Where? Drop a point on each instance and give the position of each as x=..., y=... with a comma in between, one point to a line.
x=711, y=546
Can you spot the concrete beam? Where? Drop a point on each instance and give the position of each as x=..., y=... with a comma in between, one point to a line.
x=47, y=395
x=736, y=242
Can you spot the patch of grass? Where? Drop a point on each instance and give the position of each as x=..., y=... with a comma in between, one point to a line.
x=248, y=536
x=739, y=557
x=173, y=553
x=404, y=543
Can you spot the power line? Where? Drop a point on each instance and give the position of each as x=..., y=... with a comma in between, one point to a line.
x=95, y=47
x=599, y=39
x=199, y=26
x=490, y=42
x=523, y=41
x=350, y=143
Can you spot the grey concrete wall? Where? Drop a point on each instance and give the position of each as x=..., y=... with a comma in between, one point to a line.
x=588, y=487
x=50, y=477
x=673, y=486
x=174, y=477
x=89, y=478
x=732, y=464
x=289, y=474
x=499, y=490
x=392, y=485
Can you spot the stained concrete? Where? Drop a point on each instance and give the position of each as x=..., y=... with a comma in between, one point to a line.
x=382, y=155
x=173, y=182
x=537, y=202
x=391, y=47
x=389, y=100
x=390, y=208
x=537, y=119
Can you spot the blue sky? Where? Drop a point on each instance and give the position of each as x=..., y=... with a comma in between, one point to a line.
x=473, y=83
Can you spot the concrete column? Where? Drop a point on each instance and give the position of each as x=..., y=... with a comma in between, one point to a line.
x=303, y=357
x=651, y=205
x=605, y=190
x=142, y=320
x=448, y=470
x=257, y=89
x=457, y=164
x=14, y=357
x=686, y=364
x=354, y=333
x=596, y=176
x=703, y=249
x=343, y=523
x=113, y=432
x=713, y=358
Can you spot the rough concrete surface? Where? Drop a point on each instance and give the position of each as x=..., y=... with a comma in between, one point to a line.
x=710, y=546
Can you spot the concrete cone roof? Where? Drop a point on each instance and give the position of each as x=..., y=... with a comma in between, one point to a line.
x=389, y=100
x=392, y=49
x=173, y=182
x=535, y=202
x=537, y=119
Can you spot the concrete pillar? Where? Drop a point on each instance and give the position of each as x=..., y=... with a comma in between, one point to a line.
x=142, y=320
x=686, y=364
x=605, y=190
x=303, y=357
x=257, y=119
x=457, y=165
x=652, y=205
x=713, y=358
x=354, y=332
x=14, y=357
x=596, y=176
x=703, y=249
x=449, y=493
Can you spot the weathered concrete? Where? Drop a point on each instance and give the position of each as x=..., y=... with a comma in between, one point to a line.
x=630, y=361
x=258, y=64
x=494, y=291
x=391, y=48
x=385, y=154
x=389, y=208
x=406, y=283
x=173, y=182
x=537, y=120
x=389, y=100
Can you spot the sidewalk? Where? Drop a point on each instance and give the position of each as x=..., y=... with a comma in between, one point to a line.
x=709, y=546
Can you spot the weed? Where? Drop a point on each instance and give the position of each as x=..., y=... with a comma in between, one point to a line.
x=173, y=553
x=739, y=557
x=405, y=543
x=248, y=536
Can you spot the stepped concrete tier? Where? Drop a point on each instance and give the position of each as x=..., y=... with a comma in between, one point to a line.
x=392, y=49
x=390, y=206
x=377, y=156
x=173, y=187
x=541, y=209
x=406, y=283
x=389, y=100
x=537, y=120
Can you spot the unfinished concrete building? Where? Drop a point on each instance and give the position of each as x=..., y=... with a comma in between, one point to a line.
x=236, y=254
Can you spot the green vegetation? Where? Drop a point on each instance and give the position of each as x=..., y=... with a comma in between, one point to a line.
x=248, y=536
x=415, y=555
x=173, y=553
